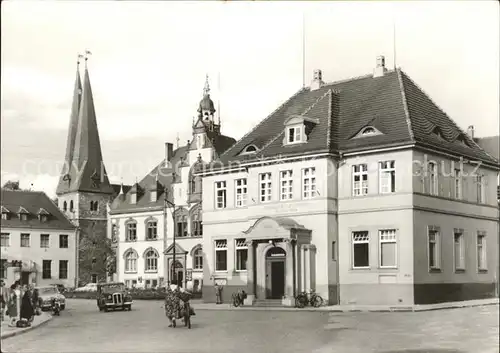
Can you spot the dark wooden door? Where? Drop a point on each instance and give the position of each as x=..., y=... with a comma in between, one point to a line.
x=278, y=279
x=25, y=278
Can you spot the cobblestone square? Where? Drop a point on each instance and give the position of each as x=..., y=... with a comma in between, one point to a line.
x=82, y=328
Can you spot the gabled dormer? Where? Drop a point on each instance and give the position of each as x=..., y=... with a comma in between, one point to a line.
x=134, y=193
x=5, y=213
x=43, y=215
x=368, y=131
x=297, y=129
x=22, y=213
x=437, y=131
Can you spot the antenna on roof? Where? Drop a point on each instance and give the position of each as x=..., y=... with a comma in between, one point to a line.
x=218, y=98
x=394, y=40
x=303, y=49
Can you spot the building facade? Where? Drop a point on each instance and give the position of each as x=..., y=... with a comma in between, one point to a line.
x=164, y=204
x=362, y=190
x=38, y=242
x=84, y=189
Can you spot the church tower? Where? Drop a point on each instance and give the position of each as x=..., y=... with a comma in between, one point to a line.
x=84, y=189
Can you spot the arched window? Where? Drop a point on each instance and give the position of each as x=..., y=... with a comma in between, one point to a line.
x=130, y=260
x=71, y=206
x=196, y=223
x=151, y=260
x=181, y=222
x=198, y=259
x=151, y=229
x=65, y=206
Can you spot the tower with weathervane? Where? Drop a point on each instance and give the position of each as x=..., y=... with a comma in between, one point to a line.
x=84, y=190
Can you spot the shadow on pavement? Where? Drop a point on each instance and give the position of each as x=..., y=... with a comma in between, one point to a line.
x=424, y=350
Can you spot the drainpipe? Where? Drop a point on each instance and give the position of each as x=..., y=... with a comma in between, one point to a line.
x=77, y=257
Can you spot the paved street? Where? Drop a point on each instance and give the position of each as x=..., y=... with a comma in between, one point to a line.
x=82, y=328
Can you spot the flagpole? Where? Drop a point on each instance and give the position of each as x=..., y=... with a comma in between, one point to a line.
x=303, y=49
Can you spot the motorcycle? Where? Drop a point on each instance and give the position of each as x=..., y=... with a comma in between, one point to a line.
x=56, y=307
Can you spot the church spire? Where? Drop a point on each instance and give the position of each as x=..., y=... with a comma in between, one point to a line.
x=73, y=124
x=87, y=172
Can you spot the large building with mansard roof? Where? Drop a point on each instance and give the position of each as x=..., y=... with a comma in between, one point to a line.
x=143, y=225
x=362, y=190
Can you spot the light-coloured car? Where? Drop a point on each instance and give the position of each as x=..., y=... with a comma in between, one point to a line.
x=47, y=293
x=89, y=287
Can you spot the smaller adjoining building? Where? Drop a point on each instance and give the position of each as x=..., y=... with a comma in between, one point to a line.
x=38, y=243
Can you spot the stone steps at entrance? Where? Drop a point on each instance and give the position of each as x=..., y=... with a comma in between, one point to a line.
x=268, y=303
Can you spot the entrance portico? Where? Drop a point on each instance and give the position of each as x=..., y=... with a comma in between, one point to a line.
x=280, y=260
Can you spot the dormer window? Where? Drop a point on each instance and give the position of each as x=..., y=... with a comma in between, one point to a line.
x=23, y=214
x=43, y=215
x=368, y=131
x=250, y=149
x=5, y=213
x=294, y=134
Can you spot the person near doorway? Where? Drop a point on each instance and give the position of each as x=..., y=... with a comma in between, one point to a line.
x=27, y=311
x=218, y=293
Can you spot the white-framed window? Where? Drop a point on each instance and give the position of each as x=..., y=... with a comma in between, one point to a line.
x=221, y=255
x=63, y=269
x=3, y=268
x=457, y=183
x=241, y=255
x=360, y=179
x=388, y=248
x=196, y=223
x=434, y=248
x=360, y=249
x=5, y=216
x=44, y=240
x=286, y=185
x=25, y=240
x=309, y=190
x=128, y=283
x=63, y=241
x=5, y=239
x=459, y=249
x=131, y=261
x=294, y=134
x=220, y=195
x=131, y=231
x=481, y=251
x=241, y=192
x=93, y=278
x=151, y=261
x=46, y=269
x=181, y=223
x=265, y=187
x=480, y=188
x=387, y=182
x=151, y=230
x=433, y=178
x=198, y=259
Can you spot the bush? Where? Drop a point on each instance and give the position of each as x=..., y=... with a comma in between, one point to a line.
x=137, y=294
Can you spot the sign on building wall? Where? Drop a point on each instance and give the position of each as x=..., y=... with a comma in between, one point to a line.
x=189, y=274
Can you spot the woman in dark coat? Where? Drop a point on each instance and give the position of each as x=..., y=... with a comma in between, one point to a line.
x=27, y=311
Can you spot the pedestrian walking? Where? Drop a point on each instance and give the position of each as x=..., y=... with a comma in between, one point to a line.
x=35, y=300
x=172, y=303
x=27, y=311
x=14, y=303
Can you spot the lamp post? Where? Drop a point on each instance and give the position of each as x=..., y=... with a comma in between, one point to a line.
x=172, y=206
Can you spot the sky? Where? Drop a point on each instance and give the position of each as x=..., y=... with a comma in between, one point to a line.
x=149, y=61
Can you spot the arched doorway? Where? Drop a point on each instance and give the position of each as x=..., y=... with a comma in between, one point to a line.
x=275, y=273
x=177, y=273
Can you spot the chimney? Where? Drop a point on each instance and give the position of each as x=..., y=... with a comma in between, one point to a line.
x=169, y=151
x=470, y=131
x=317, y=81
x=380, y=69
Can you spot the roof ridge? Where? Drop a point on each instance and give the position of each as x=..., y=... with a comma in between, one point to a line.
x=262, y=121
x=354, y=78
x=405, y=104
x=466, y=135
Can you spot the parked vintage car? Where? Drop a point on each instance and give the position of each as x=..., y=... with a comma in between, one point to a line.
x=47, y=293
x=113, y=296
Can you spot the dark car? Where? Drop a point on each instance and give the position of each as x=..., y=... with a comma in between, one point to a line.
x=113, y=296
